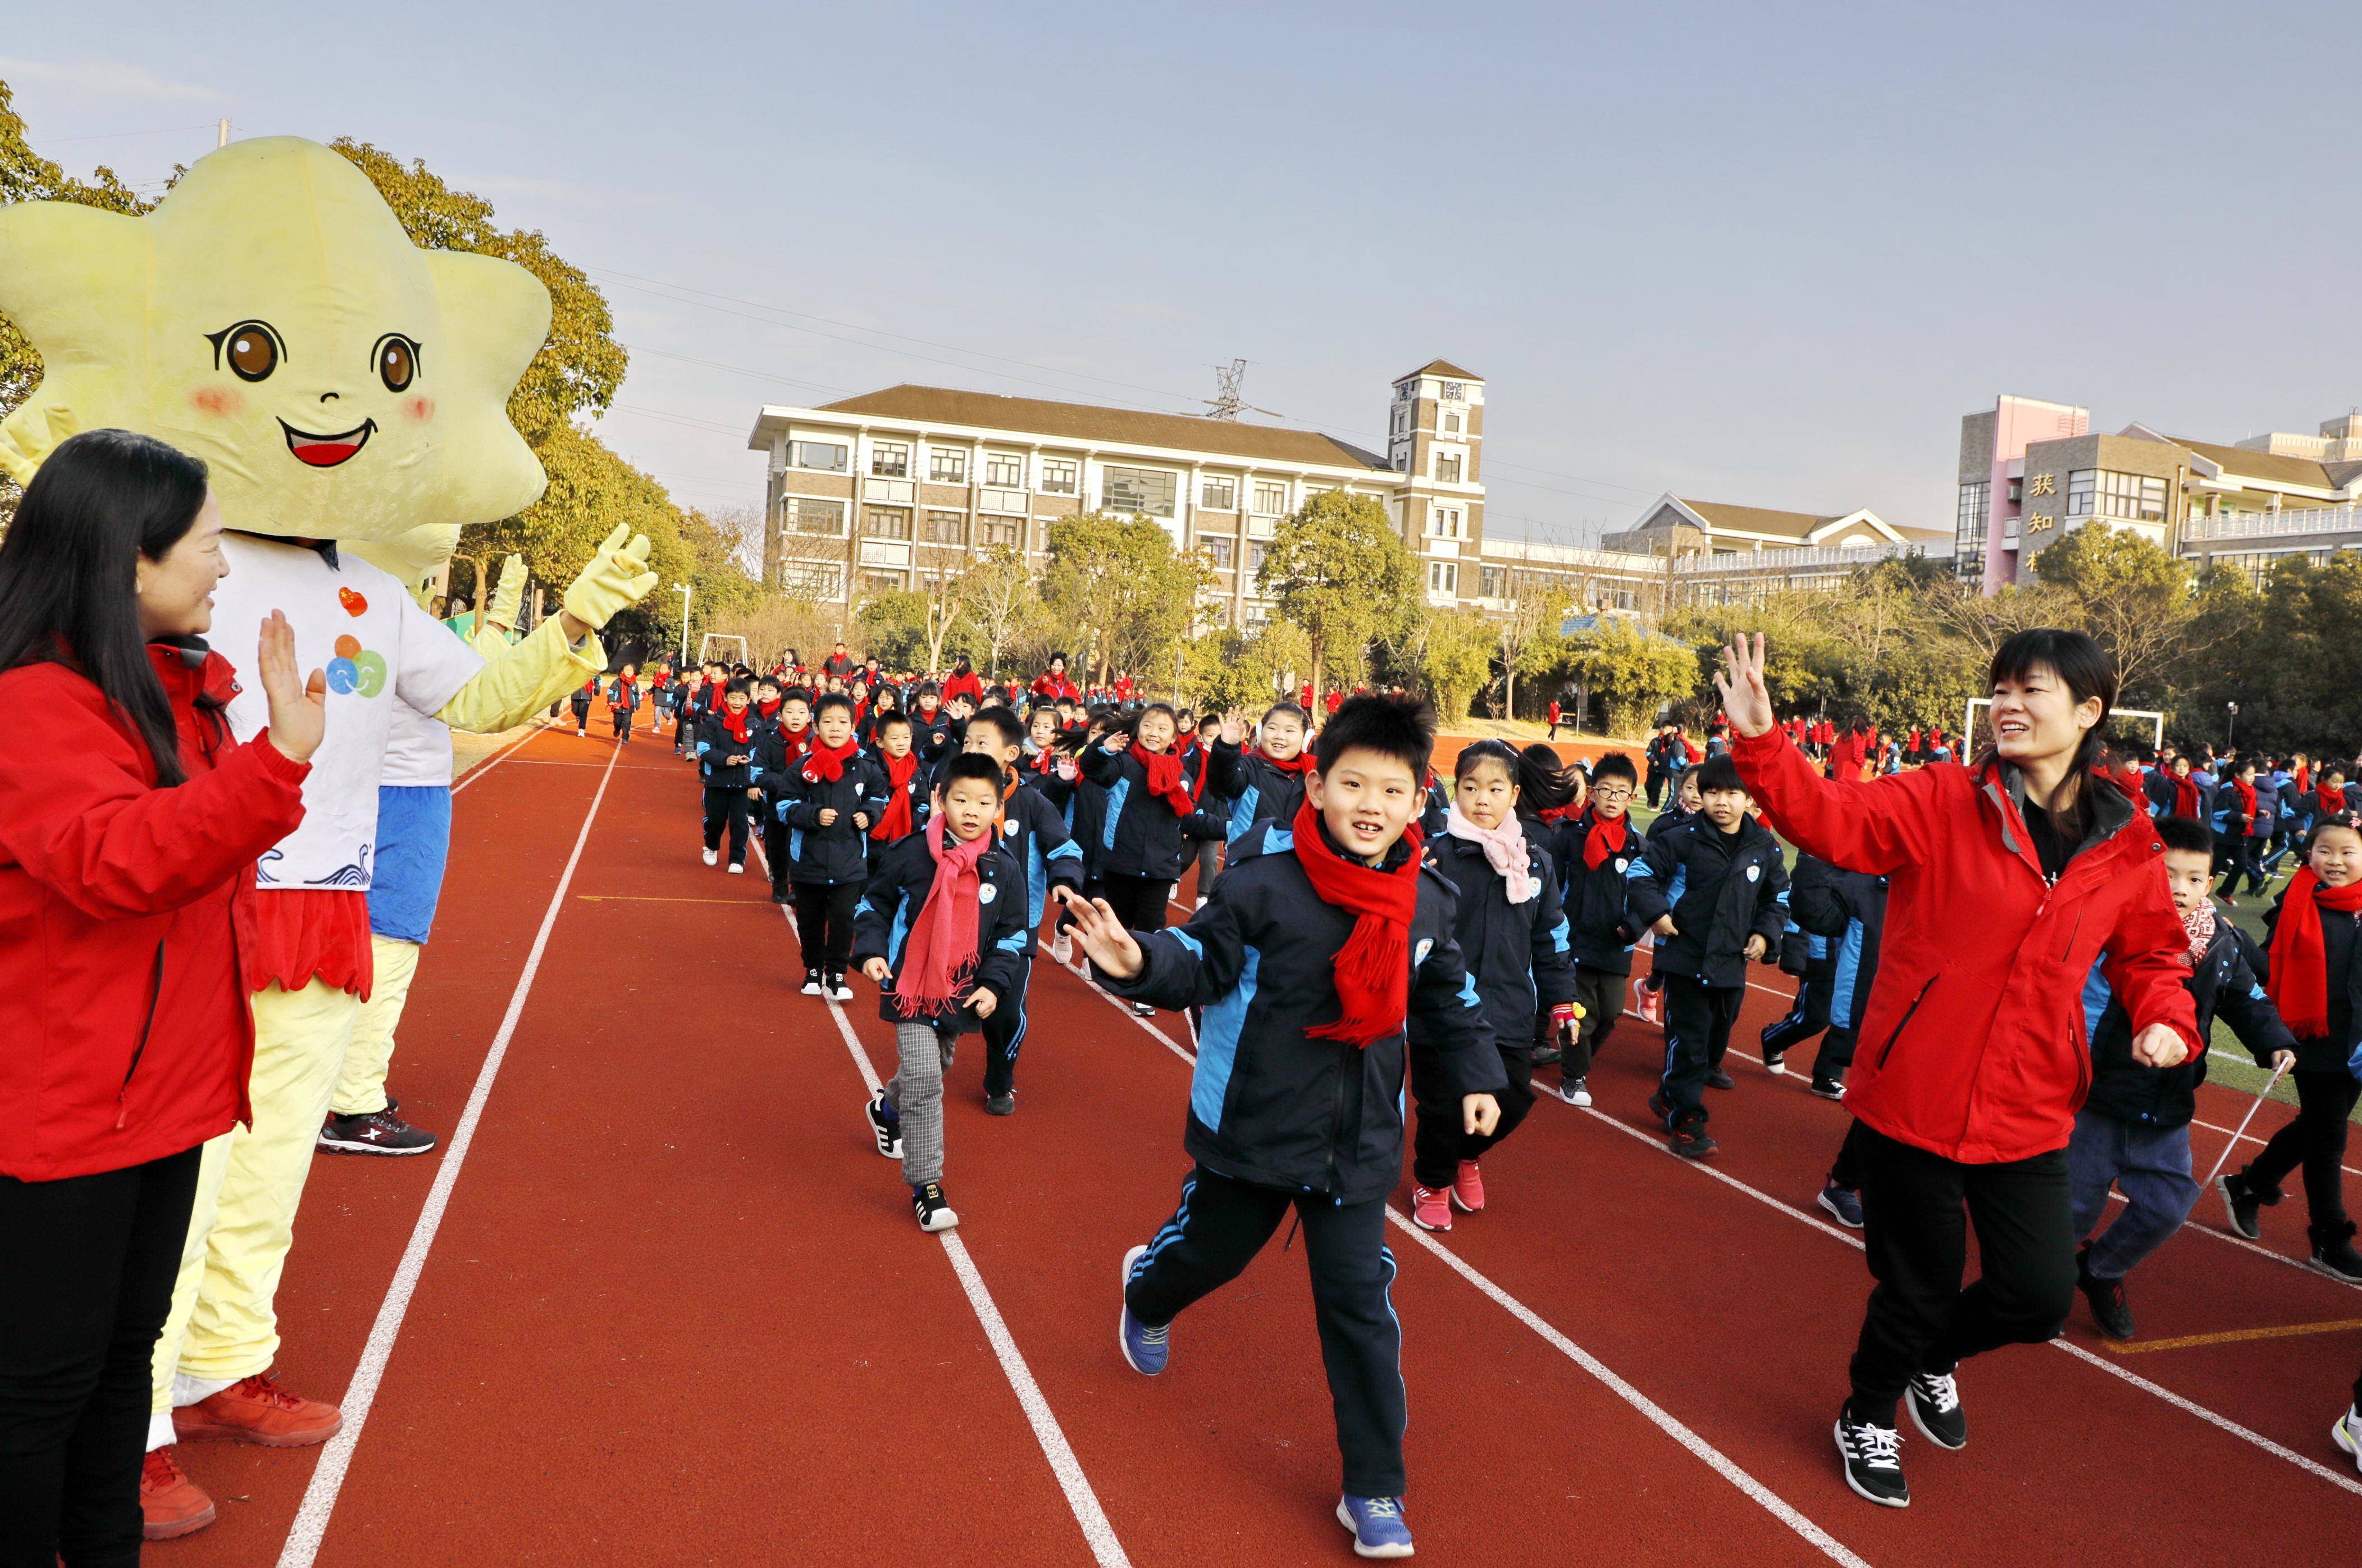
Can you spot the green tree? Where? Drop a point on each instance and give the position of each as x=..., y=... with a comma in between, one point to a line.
x=1455, y=660
x=1632, y=673
x=1338, y=569
x=1000, y=598
x=1119, y=585
x=894, y=627
x=2134, y=596
x=1226, y=668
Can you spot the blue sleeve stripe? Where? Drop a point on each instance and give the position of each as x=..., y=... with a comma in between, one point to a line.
x=1196, y=948
x=1068, y=850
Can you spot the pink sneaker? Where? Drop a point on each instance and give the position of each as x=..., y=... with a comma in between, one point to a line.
x=1648, y=1001
x=1430, y=1210
x=1468, y=1187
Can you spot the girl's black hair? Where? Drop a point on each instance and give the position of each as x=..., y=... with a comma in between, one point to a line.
x=1543, y=782
x=2349, y=820
x=69, y=589
x=1286, y=707
x=1404, y=731
x=1498, y=753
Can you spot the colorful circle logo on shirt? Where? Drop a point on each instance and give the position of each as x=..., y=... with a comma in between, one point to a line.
x=359, y=673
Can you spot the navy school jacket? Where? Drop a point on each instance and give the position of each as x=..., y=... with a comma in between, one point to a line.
x=900, y=877
x=1846, y=912
x=1521, y=954
x=840, y=851
x=1142, y=835
x=2222, y=981
x=1719, y=888
x=1593, y=897
x=1033, y=834
x=1257, y=790
x=1082, y=806
x=1269, y=1103
x=715, y=746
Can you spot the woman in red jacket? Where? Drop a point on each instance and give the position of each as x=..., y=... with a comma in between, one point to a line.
x=129, y=823
x=2010, y=879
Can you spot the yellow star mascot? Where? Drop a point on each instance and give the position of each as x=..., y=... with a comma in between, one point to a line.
x=346, y=388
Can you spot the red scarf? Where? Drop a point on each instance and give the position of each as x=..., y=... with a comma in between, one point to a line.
x=2303, y=781
x=1607, y=839
x=629, y=687
x=2300, y=982
x=2185, y=797
x=771, y=709
x=1566, y=813
x=825, y=763
x=1299, y=764
x=795, y=742
x=1373, y=969
x=2331, y=799
x=2246, y=799
x=734, y=722
x=896, y=820
x=940, y=959
x=1165, y=780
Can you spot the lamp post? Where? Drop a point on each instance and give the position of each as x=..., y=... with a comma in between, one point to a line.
x=2231, y=726
x=685, y=590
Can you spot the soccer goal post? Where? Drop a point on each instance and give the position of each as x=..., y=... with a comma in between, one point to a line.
x=2151, y=717
x=705, y=647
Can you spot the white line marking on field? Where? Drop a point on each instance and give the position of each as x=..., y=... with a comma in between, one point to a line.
x=1098, y=1533
x=1664, y=1420
x=311, y=1524
x=494, y=761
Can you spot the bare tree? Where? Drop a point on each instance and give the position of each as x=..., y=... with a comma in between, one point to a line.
x=943, y=584
x=1000, y=598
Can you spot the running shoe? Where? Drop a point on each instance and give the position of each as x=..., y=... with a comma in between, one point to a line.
x=1718, y=1079
x=1143, y=1348
x=1468, y=1188
x=1575, y=1091
x=170, y=1504
x=837, y=987
x=1692, y=1142
x=2242, y=1205
x=1933, y=1400
x=1142, y=1010
x=1828, y=1088
x=257, y=1409
x=1062, y=947
x=379, y=1132
x=2346, y=1434
x=1377, y=1526
x=1844, y=1205
x=886, y=1127
x=1873, y=1461
x=711, y=857
x=932, y=1209
x=1776, y=1063
x=736, y=869
x=1430, y=1208
x=1548, y=1056
x=2334, y=1254
x=1661, y=1108
x=1000, y=1104
x=812, y=983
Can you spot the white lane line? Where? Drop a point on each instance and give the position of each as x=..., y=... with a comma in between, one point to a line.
x=2188, y=1406
x=1664, y=1420
x=494, y=761
x=311, y=1525
x=1098, y=1533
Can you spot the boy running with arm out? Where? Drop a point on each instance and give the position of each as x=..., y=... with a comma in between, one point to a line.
x=941, y=929
x=1325, y=940
x=1034, y=835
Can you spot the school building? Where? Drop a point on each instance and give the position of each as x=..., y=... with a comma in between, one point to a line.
x=2031, y=473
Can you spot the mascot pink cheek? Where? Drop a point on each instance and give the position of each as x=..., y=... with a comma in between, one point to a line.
x=420, y=408
x=221, y=401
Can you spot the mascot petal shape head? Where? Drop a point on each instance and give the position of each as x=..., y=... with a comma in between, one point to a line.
x=271, y=317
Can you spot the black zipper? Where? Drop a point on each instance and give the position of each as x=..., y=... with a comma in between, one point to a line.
x=155, y=992
x=1888, y=1049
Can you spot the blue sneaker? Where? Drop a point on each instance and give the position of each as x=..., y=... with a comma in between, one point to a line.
x=1844, y=1205
x=1377, y=1526
x=1142, y=1346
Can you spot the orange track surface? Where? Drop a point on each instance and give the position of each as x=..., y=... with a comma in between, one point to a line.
x=676, y=1313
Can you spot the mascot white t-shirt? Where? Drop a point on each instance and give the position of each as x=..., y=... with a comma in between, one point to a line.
x=356, y=623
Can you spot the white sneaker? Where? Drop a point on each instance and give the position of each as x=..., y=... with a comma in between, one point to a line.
x=1201, y=904
x=2347, y=1434
x=1061, y=949
x=737, y=869
x=1575, y=1091
x=711, y=857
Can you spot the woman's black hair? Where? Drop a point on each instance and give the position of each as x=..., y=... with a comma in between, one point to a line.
x=966, y=666
x=68, y=589
x=2086, y=672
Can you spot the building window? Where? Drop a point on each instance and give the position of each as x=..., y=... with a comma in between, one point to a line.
x=1139, y=492
x=994, y=532
x=2104, y=492
x=1041, y=536
x=826, y=456
x=946, y=528
x=1218, y=494
x=804, y=514
x=1060, y=475
x=889, y=459
x=1219, y=551
x=1443, y=578
x=1488, y=580
x=1271, y=500
x=1447, y=470
x=1969, y=531
x=1408, y=391
x=813, y=579
x=1454, y=392
x=1445, y=523
x=1255, y=554
x=875, y=583
x=946, y=467
x=1450, y=424
x=1402, y=462
x=885, y=523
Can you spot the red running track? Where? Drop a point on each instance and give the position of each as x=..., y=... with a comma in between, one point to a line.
x=674, y=1310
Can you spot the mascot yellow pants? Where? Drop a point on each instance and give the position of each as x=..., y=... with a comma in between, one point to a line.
x=360, y=1087
x=249, y=1184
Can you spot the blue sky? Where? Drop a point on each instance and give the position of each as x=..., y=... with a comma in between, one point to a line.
x=1755, y=253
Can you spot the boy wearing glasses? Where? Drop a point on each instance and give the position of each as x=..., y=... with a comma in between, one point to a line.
x=1595, y=853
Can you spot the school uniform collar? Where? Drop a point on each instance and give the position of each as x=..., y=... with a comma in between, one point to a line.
x=324, y=548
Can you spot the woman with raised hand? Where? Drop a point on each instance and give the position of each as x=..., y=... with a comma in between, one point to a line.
x=2011, y=878
x=129, y=825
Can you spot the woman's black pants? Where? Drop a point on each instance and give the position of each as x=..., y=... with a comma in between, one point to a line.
x=86, y=1271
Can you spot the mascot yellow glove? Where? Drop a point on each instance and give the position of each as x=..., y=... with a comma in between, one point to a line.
x=617, y=578
x=509, y=596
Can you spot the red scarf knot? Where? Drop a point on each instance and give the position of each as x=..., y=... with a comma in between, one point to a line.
x=939, y=961
x=1373, y=969
x=825, y=763
x=1607, y=839
x=895, y=822
x=1167, y=780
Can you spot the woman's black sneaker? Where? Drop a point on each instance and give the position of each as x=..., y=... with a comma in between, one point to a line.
x=1933, y=1400
x=2106, y=1297
x=1873, y=1461
x=2242, y=1206
x=2334, y=1254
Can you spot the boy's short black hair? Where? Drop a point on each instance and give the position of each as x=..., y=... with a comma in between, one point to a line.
x=970, y=765
x=1719, y=774
x=888, y=722
x=796, y=693
x=2186, y=834
x=833, y=700
x=1001, y=722
x=741, y=688
x=1403, y=729
x=1615, y=765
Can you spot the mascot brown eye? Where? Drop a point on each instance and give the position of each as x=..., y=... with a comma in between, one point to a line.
x=251, y=352
x=397, y=362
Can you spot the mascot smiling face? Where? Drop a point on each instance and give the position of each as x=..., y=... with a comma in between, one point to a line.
x=271, y=317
